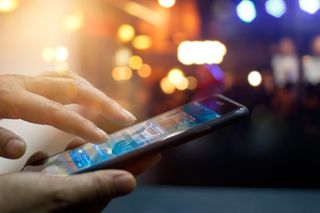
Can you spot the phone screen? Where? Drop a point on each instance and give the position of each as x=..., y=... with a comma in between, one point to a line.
x=154, y=130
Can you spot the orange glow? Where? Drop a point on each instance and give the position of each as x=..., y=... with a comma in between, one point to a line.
x=166, y=86
x=75, y=21
x=8, y=5
x=48, y=54
x=61, y=53
x=126, y=32
x=183, y=84
x=193, y=83
x=122, y=56
x=135, y=62
x=175, y=76
x=121, y=73
x=142, y=42
x=167, y=3
x=145, y=71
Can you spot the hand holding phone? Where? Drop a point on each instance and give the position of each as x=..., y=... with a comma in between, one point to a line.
x=154, y=135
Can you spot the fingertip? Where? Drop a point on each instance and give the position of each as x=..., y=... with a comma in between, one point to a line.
x=14, y=149
x=125, y=183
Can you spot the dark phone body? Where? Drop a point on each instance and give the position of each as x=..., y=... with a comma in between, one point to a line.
x=231, y=111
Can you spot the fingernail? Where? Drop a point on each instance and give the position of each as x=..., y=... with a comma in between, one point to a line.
x=102, y=134
x=125, y=183
x=15, y=148
x=129, y=115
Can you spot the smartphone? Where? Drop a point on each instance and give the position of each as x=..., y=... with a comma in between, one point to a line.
x=154, y=135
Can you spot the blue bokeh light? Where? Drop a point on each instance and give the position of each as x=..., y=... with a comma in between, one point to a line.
x=309, y=6
x=276, y=8
x=246, y=11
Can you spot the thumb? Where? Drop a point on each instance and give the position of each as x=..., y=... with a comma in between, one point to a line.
x=11, y=145
x=96, y=187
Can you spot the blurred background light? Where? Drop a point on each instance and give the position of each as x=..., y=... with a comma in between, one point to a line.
x=276, y=8
x=183, y=84
x=193, y=83
x=142, y=42
x=8, y=5
x=135, y=62
x=175, y=76
x=121, y=73
x=246, y=11
x=167, y=3
x=122, y=56
x=201, y=52
x=48, y=54
x=166, y=86
x=145, y=13
x=309, y=6
x=74, y=21
x=254, y=78
x=145, y=71
x=126, y=32
x=61, y=53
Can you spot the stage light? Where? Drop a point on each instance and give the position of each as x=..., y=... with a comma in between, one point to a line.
x=74, y=21
x=145, y=71
x=8, y=5
x=309, y=6
x=246, y=11
x=126, y=32
x=254, y=78
x=61, y=53
x=201, y=52
x=167, y=3
x=166, y=86
x=142, y=42
x=175, y=76
x=276, y=8
x=48, y=54
x=121, y=73
x=135, y=62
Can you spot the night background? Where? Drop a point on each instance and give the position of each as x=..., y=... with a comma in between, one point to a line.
x=264, y=54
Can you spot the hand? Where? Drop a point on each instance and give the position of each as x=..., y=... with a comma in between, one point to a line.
x=41, y=100
x=90, y=192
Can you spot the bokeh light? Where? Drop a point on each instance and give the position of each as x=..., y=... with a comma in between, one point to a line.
x=167, y=3
x=126, y=32
x=74, y=21
x=8, y=5
x=246, y=11
x=121, y=73
x=175, y=76
x=276, y=8
x=183, y=84
x=193, y=83
x=142, y=42
x=122, y=56
x=166, y=86
x=61, y=53
x=254, y=78
x=135, y=62
x=48, y=54
x=309, y=6
x=145, y=71
x=201, y=52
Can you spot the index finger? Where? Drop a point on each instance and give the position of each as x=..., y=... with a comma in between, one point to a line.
x=67, y=91
x=37, y=109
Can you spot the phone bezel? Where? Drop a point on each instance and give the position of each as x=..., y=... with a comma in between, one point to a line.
x=186, y=136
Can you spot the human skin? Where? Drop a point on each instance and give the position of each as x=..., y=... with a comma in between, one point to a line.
x=42, y=100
